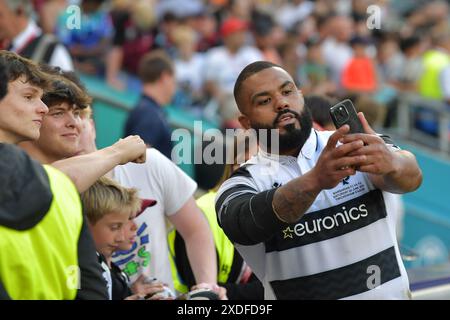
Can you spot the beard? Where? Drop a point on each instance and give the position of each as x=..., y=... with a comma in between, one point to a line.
x=293, y=138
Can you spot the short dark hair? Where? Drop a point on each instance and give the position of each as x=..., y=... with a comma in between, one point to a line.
x=65, y=86
x=15, y=66
x=69, y=75
x=153, y=65
x=247, y=72
x=320, y=108
x=262, y=23
x=409, y=42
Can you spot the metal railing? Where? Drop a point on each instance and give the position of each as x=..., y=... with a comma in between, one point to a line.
x=406, y=126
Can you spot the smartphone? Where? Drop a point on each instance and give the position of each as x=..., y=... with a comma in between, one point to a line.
x=344, y=113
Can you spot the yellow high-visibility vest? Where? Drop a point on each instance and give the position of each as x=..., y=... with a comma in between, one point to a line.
x=224, y=247
x=434, y=61
x=42, y=262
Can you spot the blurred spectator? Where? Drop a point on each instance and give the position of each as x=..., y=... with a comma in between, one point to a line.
x=264, y=32
x=329, y=7
x=389, y=63
x=415, y=20
x=235, y=55
x=189, y=68
x=164, y=33
x=147, y=118
x=411, y=65
x=359, y=75
x=206, y=26
x=239, y=9
x=133, y=22
x=438, y=14
x=336, y=49
x=290, y=55
x=49, y=12
x=360, y=16
x=19, y=33
x=89, y=43
x=435, y=80
x=37, y=4
x=309, y=29
x=389, y=58
x=314, y=74
x=179, y=8
x=407, y=75
x=294, y=11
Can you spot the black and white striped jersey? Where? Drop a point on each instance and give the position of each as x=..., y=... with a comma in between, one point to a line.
x=344, y=247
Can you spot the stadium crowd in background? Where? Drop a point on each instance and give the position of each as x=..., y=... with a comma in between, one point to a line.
x=187, y=54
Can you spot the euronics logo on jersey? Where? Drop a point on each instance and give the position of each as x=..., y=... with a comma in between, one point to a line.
x=328, y=222
x=335, y=221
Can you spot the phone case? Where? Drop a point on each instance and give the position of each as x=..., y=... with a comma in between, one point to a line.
x=344, y=113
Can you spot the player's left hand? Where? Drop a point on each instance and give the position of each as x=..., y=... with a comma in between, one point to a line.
x=379, y=158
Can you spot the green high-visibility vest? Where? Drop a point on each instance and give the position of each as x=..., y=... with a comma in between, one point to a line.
x=42, y=262
x=224, y=247
x=434, y=61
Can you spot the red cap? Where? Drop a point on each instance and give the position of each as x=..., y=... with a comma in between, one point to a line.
x=232, y=25
x=145, y=204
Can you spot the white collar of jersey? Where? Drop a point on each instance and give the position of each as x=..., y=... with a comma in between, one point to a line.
x=308, y=150
x=310, y=146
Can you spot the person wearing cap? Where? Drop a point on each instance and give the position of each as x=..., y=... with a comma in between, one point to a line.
x=110, y=210
x=223, y=65
x=144, y=285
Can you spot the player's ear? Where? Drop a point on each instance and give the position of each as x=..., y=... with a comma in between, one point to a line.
x=244, y=121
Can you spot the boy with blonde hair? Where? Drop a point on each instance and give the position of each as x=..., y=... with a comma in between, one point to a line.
x=110, y=210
